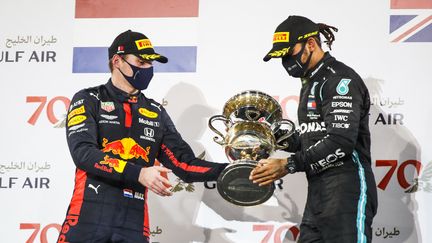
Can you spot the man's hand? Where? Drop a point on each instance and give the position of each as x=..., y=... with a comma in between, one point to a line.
x=268, y=170
x=151, y=178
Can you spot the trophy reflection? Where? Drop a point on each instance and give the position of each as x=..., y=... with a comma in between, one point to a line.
x=254, y=129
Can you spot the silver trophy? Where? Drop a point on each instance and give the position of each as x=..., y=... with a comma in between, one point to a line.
x=254, y=129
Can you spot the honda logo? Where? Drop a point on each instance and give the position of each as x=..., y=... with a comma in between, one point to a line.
x=148, y=132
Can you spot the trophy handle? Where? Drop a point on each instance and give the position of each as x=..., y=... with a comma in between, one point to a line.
x=219, y=140
x=287, y=132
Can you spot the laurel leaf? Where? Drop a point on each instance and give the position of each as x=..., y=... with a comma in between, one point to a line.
x=190, y=187
x=178, y=187
x=201, y=155
x=413, y=188
x=426, y=174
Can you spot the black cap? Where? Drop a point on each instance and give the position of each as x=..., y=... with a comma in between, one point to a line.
x=130, y=42
x=291, y=31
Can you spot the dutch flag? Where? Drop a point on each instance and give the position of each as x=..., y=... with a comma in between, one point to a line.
x=127, y=193
x=171, y=25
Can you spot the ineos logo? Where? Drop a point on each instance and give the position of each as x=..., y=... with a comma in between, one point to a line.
x=148, y=132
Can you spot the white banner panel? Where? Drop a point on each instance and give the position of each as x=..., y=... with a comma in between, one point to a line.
x=215, y=50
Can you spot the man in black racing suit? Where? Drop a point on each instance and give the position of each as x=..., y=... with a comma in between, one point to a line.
x=115, y=134
x=332, y=144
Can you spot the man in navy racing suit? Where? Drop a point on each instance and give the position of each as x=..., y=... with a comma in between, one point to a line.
x=332, y=144
x=115, y=134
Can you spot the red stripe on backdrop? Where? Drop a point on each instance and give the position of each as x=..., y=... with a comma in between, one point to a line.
x=411, y=4
x=135, y=8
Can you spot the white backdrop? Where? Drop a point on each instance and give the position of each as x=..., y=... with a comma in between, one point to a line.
x=215, y=50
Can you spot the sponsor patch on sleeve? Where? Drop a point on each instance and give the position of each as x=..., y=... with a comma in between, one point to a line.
x=342, y=88
x=77, y=111
x=76, y=120
x=117, y=164
x=147, y=113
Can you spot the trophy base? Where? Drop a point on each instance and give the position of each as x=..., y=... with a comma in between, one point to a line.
x=234, y=185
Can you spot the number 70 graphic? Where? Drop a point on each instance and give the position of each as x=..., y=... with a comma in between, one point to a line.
x=393, y=164
x=49, y=108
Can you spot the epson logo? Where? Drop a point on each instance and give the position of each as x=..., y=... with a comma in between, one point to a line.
x=342, y=104
x=312, y=127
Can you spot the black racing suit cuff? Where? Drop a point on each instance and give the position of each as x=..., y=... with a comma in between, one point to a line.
x=218, y=170
x=299, y=165
x=293, y=143
x=131, y=172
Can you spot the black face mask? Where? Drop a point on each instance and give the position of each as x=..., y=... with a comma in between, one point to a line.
x=294, y=66
x=140, y=78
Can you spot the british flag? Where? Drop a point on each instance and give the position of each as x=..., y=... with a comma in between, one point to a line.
x=411, y=21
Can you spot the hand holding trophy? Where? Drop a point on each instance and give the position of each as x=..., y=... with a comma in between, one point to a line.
x=254, y=129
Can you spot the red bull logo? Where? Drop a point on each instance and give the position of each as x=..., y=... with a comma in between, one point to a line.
x=127, y=148
x=117, y=164
x=138, y=151
x=115, y=147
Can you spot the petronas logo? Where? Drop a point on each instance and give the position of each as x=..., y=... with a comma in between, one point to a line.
x=342, y=88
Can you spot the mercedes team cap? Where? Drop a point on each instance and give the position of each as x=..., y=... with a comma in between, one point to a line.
x=130, y=42
x=291, y=31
